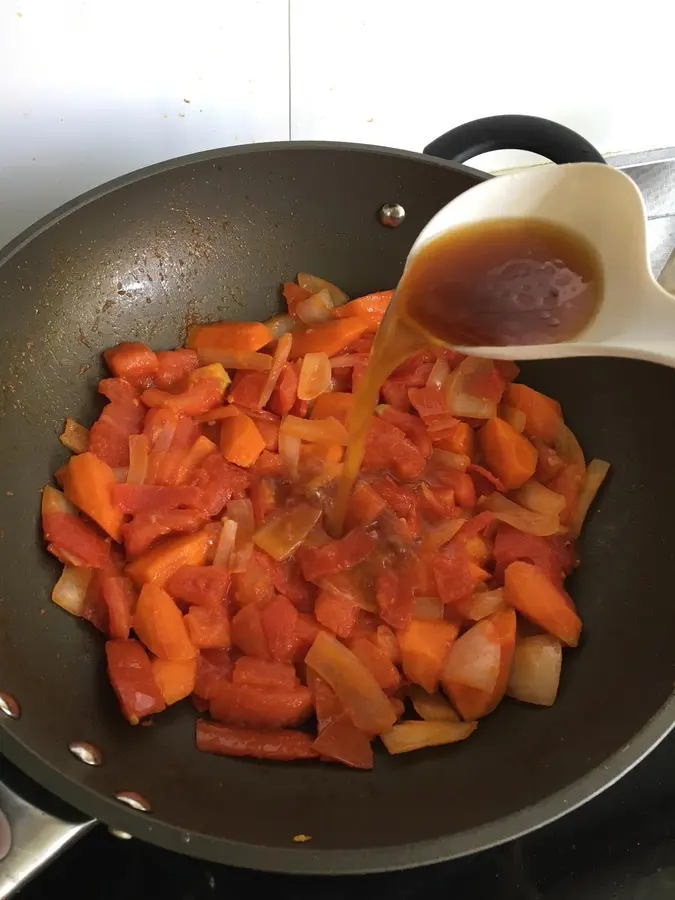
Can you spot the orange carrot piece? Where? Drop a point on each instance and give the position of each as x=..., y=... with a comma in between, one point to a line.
x=175, y=678
x=335, y=404
x=531, y=593
x=542, y=414
x=424, y=646
x=461, y=440
x=316, y=457
x=240, y=440
x=87, y=482
x=509, y=455
x=158, y=565
x=327, y=337
x=159, y=625
x=370, y=307
x=243, y=337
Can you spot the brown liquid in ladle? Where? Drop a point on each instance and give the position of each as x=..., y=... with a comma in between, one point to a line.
x=504, y=282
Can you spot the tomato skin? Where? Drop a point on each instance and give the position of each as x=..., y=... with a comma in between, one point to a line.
x=242, y=704
x=343, y=742
x=552, y=555
x=130, y=673
x=75, y=541
x=144, y=498
x=280, y=745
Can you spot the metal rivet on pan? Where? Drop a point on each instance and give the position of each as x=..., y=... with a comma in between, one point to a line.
x=134, y=800
x=392, y=214
x=86, y=752
x=9, y=706
x=118, y=833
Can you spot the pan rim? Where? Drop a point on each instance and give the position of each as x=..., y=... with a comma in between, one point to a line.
x=304, y=859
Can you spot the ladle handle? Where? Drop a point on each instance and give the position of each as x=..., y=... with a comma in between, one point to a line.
x=550, y=139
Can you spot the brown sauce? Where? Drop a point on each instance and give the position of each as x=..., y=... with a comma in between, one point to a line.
x=497, y=283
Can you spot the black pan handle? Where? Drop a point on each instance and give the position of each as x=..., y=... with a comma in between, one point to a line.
x=550, y=139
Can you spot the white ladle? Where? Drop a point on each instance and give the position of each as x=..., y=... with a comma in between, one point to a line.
x=636, y=317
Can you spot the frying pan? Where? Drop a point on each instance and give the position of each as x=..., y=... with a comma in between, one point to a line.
x=211, y=236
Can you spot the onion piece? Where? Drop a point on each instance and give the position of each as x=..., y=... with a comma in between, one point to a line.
x=75, y=436
x=439, y=372
x=441, y=534
x=515, y=417
x=407, y=736
x=314, y=284
x=316, y=308
x=229, y=359
x=281, y=351
x=523, y=519
x=70, y=590
x=121, y=474
x=280, y=536
x=54, y=501
x=315, y=376
x=289, y=451
x=535, y=671
x=241, y=512
x=568, y=448
x=280, y=325
x=461, y=402
x=595, y=474
x=225, y=545
x=533, y=495
x=368, y=706
x=481, y=604
x=428, y=608
x=474, y=659
x=318, y=431
x=165, y=436
x=139, y=452
x=446, y=459
x=349, y=360
x=329, y=473
x=431, y=707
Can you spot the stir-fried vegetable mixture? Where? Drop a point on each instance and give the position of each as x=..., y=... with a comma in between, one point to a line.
x=190, y=524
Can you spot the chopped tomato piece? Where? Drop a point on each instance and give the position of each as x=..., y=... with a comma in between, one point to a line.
x=131, y=360
x=247, y=632
x=337, y=613
x=395, y=393
x=378, y=662
x=174, y=365
x=199, y=585
x=74, y=541
x=410, y=425
x=394, y=598
x=365, y=505
x=227, y=741
x=247, y=388
x=144, y=498
x=213, y=667
x=208, y=626
x=343, y=742
x=218, y=481
x=285, y=393
x=264, y=673
x=254, y=584
x=120, y=598
x=454, y=572
x=144, y=529
x=317, y=562
x=199, y=397
x=243, y=704
x=279, y=621
x=130, y=673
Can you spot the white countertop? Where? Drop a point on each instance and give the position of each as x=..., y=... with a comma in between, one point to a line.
x=89, y=91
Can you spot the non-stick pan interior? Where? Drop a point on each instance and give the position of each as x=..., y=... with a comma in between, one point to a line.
x=213, y=239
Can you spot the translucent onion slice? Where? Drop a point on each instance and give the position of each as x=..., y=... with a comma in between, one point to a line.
x=139, y=452
x=540, y=499
x=314, y=284
x=523, y=519
x=280, y=325
x=75, y=436
x=225, y=545
x=281, y=351
x=230, y=359
x=439, y=372
x=427, y=608
x=407, y=736
x=568, y=448
x=474, y=659
x=165, y=436
x=515, y=417
x=70, y=590
x=280, y=536
x=316, y=308
x=289, y=451
x=461, y=402
x=348, y=360
x=446, y=459
x=441, y=534
x=535, y=670
x=315, y=376
x=431, y=707
x=318, y=431
x=481, y=604
x=595, y=474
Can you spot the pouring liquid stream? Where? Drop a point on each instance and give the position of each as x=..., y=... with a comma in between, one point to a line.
x=502, y=282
